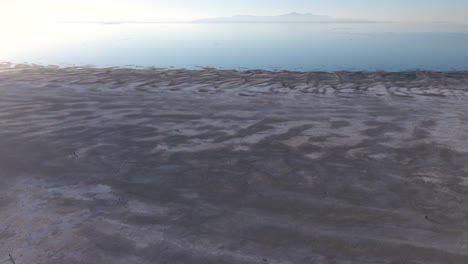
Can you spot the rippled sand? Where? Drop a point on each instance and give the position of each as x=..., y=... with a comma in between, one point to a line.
x=210, y=166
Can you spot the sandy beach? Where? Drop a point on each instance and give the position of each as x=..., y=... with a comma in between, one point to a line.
x=221, y=166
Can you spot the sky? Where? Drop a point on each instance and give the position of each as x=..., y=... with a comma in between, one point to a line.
x=27, y=11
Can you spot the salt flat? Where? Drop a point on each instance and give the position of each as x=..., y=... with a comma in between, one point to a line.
x=212, y=166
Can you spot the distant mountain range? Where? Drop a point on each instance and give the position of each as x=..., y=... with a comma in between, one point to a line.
x=287, y=18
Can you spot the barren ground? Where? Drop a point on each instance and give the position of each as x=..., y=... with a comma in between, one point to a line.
x=176, y=166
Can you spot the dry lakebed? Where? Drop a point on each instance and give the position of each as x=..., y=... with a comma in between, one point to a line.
x=109, y=165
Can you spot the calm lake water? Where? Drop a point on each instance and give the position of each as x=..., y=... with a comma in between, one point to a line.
x=303, y=47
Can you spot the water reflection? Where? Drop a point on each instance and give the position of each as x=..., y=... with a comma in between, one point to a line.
x=327, y=47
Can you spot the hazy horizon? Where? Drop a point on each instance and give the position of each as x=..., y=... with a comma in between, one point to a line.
x=207, y=34
x=24, y=11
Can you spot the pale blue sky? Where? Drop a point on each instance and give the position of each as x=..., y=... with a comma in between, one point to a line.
x=183, y=10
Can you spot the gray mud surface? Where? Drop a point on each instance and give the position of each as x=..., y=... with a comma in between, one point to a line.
x=176, y=166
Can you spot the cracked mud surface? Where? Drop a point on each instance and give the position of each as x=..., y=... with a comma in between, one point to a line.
x=178, y=166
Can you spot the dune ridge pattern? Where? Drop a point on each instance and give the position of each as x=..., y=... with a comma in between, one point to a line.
x=222, y=166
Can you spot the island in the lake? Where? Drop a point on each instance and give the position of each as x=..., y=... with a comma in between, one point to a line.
x=286, y=18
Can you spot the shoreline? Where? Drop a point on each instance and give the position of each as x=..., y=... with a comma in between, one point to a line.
x=251, y=82
x=10, y=65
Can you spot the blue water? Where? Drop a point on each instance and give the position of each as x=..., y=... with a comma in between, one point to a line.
x=303, y=47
